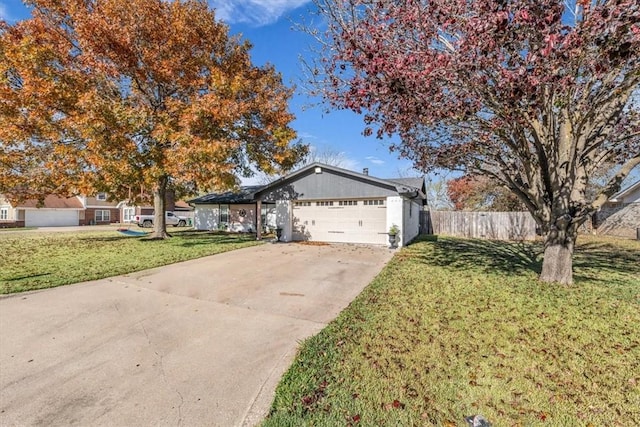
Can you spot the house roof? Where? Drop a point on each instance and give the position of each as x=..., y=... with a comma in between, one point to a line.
x=245, y=194
x=408, y=185
x=410, y=182
x=401, y=185
x=182, y=205
x=625, y=192
x=53, y=202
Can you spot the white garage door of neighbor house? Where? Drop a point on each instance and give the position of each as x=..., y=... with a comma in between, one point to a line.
x=50, y=218
x=344, y=221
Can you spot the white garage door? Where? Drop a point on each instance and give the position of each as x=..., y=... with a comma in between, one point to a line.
x=346, y=221
x=50, y=218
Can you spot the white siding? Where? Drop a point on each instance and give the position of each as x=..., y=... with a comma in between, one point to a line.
x=411, y=226
x=242, y=218
x=395, y=205
x=10, y=211
x=284, y=219
x=206, y=217
x=270, y=220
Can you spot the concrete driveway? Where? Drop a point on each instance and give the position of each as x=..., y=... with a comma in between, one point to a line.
x=199, y=343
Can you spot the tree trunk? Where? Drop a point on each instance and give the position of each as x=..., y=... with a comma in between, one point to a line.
x=159, y=218
x=557, y=265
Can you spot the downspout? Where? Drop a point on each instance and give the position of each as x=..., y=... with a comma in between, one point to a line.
x=258, y=219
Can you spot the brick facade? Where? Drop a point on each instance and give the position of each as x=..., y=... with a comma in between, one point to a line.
x=88, y=216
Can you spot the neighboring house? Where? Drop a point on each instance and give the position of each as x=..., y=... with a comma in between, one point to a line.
x=620, y=200
x=53, y=212
x=620, y=215
x=184, y=209
x=128, y=212
x=320, y=203
x=99, y=210
x=78, y=210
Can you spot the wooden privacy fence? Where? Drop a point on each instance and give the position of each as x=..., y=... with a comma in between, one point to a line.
x=479, y=225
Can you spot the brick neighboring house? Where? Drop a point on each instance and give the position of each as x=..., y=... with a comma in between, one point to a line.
x=99, y=210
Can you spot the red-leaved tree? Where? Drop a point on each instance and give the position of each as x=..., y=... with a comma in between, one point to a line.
x=536, y=95
x=479, y=193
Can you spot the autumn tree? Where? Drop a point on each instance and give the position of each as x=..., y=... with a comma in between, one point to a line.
x=479, y=193
x=536, y=95
x=118, y=95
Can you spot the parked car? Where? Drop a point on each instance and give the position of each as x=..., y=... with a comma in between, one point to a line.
x=146, y=221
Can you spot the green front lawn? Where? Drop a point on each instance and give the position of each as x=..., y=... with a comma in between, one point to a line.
x=43, y=260
x=453, y=328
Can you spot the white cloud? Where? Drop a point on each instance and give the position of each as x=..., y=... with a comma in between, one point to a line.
x=3, y=12
x=255, y=12
x=349, y=163
x=307, y=135
x=375, y=160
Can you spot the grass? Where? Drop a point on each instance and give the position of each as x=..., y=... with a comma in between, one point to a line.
x=452, y=328
x=43, y=260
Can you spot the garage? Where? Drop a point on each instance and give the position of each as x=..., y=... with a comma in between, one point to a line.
x=325, y=203
x=50, y=217
x=342, y=221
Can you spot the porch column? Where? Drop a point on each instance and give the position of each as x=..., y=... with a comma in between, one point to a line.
x=259, y=220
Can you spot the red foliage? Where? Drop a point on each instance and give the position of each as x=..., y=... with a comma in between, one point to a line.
x=536, y=95
x=459, y=190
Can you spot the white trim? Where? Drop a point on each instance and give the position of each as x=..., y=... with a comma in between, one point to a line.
x=102, y=211
x=49, y=209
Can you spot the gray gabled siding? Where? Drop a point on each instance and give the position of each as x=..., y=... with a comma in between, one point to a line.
x=327, y=185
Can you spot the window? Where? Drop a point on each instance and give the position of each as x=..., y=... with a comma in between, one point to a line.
x=4, y=213
x=103, y=216
x=324, y=203
x=348, y=203
x=128, y=214
x=224, y=214
x=298, y=204
x=101, y=197
x=374, y=202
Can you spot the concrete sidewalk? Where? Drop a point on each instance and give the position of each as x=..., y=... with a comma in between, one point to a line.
x=202, y=342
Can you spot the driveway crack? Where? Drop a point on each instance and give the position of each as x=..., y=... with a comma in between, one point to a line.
x=164, y=374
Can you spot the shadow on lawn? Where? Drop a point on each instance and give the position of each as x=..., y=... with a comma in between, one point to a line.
x=200, y=238
x=592, y=260
x=181, y=238
x=507, y=257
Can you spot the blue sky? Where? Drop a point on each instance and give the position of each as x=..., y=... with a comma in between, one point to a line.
x=268, y=25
